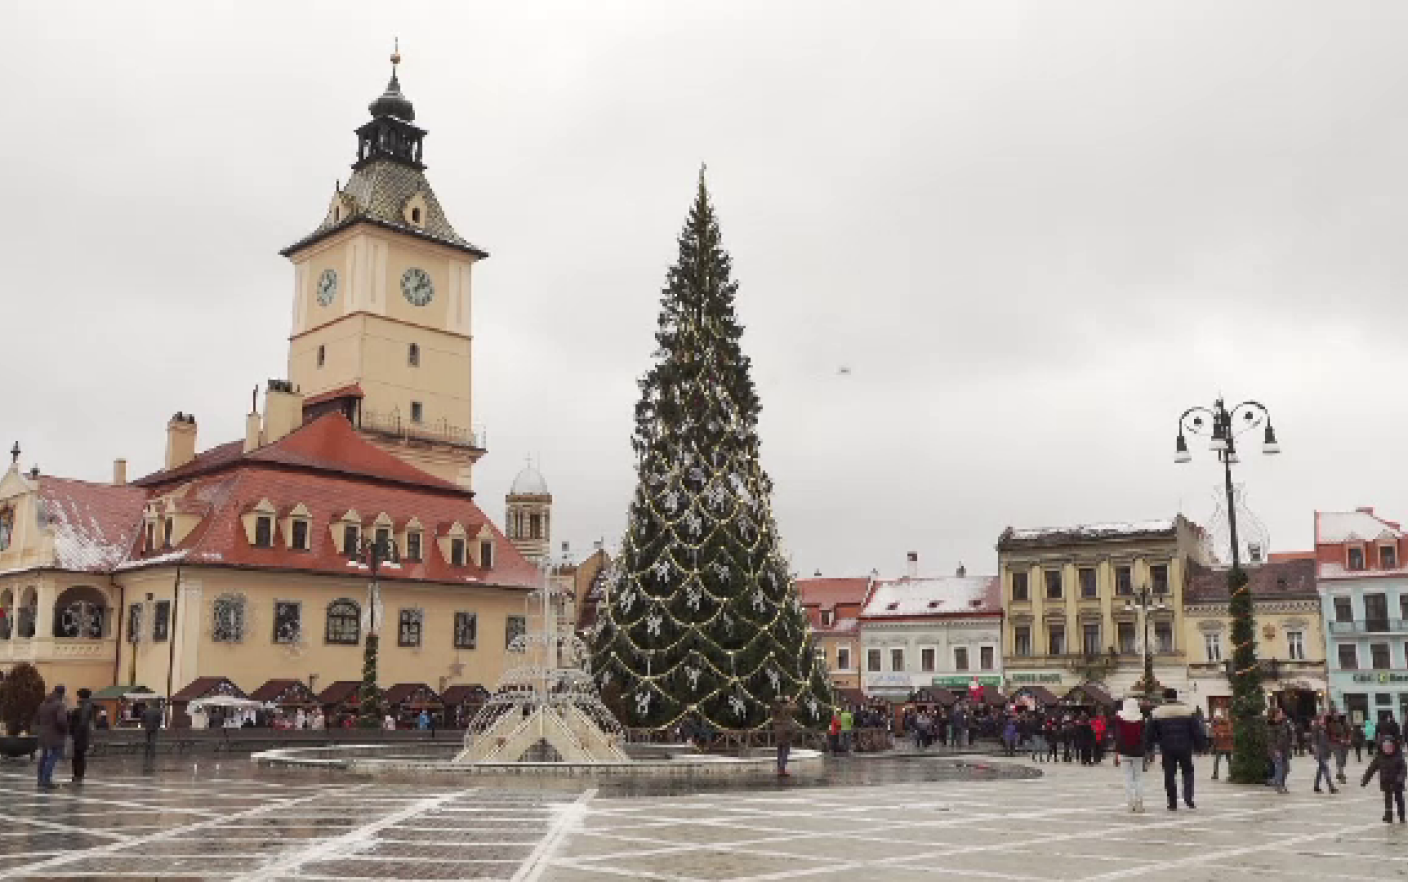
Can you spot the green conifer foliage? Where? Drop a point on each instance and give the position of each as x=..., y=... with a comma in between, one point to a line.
x=369, y=695
x=1249, y=747
x=703, y=618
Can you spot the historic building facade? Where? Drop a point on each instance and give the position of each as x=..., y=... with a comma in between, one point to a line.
x=1363, y=586
x=1290, y=635
x=833, y=608
x=917, y=632
x=1067, y=594
x=252, y=561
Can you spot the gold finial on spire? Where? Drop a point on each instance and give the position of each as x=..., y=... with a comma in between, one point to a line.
x=396, y=51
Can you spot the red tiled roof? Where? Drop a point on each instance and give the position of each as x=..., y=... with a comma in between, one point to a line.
x=94, y=524
x=352, y=391
x=340, y=692
x=200, y=687
x=1293, y=578
x=828, y=592
x=209, y=461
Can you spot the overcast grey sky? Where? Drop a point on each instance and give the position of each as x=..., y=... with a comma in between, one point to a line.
x=1035, y=233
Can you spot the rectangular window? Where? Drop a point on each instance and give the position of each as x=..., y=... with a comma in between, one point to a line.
x=350, y=537
x=466, y=630
x=134, y=623
x=1349, y=657
x=288, y=621
x=300, y=534
x=960, y=658
x=514, y=627
x=872, y=660
x=535, y=526
x=1019, y=587
x=1380, y=655
x=161, y=621
x=1295, y=645
x=1343, y=611
x=1356, y=558
x=1022, y=641
x=1158, y=577
x=413, y=355
x=926, y=660
x=1124, y=636
x=151, y=535
x=827, y=618
x=985, y=657
x=1375, y=612
x=383, y=541
x=1403, y=606
x=417, y=412
x=486, y=554
x=1163, y=637
x=1056, y=640
x=166, y=532
x=1090, y=639
x=843, y=659
x=413, y=545
x=1087, y=583
x=1388, y=557
x=897, y=659
x=457, y=552
x=1124, y=581
x=410, y=625
x=263, y=532
x=1212, y=646
x=1053, y=584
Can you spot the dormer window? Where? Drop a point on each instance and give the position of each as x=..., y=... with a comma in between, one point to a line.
x=486, y=554
x=413, y=545
x=1356, y=558
x=894, y=605
x=298, y=534
x=151, y=535
x=351, y=536
x=383, y=540
x=828, y=618
x=1388, y=557
x=415, y=216
x=166, y=529
x=413, y=355
x=263, y=531
x=457, y=552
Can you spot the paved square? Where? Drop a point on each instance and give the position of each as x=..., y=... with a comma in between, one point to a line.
x=890, y=819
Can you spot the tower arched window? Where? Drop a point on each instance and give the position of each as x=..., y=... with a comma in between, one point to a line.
x=322, y=355
x=413, y=355
x=344, y=622
x=535, y=526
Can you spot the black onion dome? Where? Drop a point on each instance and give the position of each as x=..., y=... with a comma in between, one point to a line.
x=392, y=102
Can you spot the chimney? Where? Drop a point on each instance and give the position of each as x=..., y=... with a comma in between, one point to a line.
x=119, y=472
x=283, y=410
x=252, y=423
x=962, y=570
x=180, y=440
x=913, y=570
x=1365, y=509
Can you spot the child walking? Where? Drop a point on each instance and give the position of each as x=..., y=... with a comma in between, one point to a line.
x=1129, y=748
x=1388, y=762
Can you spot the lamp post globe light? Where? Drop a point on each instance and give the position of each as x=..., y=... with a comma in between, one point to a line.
x=1223, y=426
x=1145, y=600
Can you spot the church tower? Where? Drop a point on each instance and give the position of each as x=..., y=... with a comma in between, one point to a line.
x=381, y=306
x=528, y=519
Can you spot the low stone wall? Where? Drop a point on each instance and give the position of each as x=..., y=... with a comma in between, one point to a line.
x=132, y=742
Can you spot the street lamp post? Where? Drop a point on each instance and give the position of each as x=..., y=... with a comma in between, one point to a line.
x=1224, y=426
x=1145, y=600
x=373, y=553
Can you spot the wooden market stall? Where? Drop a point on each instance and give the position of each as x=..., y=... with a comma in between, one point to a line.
x=339, y=702
x=121, y=703
x=202, y=687
x=405, y=701
x=462, y=702
x=288, y=697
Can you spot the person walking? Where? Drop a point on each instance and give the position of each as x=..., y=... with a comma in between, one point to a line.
x=80, y=731
x=1178, y=734
x=1389, y=728
x=1282, y=740
x=1356, y=738
x=1370, y=731
x=151, y=724
x=1053, y=738
x=1321, y=751
x=1393, y=775
x=1338, y=728
x=51, y=725
x=960, y=727
x=782, y=729
x=1221, y=743
x=1009, y=735
x=1098, y=728
x=848, y=727
x=1129, y=747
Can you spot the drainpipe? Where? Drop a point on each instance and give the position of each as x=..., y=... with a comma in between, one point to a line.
x=171, y=638
x=120, y=614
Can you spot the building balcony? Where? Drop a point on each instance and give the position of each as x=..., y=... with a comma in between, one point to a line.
x=1370, y=626
x=397, y=427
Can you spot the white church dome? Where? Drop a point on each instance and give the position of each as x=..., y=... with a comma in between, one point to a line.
x=529, y=482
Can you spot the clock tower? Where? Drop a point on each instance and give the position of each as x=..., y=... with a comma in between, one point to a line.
x=381, y=305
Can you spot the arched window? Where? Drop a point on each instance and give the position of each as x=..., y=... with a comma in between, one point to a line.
x=28, y=613
x=228, y=619
x=7, y=613
x=80, y=613
x=7, y=526
x=344, y=622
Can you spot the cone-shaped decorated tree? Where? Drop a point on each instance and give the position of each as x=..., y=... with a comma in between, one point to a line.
x=1249, y=741
x=702, y=617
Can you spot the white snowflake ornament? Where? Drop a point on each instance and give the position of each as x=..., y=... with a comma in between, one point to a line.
x=642, y=703
x=736, y=703
x=653, y=623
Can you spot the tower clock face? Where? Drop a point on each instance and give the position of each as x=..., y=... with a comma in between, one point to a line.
x=327, y=287
x=415, y=285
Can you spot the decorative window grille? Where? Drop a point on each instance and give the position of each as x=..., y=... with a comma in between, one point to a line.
x=344, y=622
x=288, y=621
x=228, y=619
x=161, y=621
x=409, y=633
x=514, y=627
x=466, y=630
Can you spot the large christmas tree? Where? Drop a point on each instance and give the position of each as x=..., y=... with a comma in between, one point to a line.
x=702, y=618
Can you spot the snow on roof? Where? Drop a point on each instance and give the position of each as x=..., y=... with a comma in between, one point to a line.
x=1333, y=527
x=948, y=596
x=93, y=525
x=1088, y=532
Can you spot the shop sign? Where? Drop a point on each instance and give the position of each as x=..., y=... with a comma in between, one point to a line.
x=961, y=683
x=1032, y=679
x=888, y=681
x=1381, y=677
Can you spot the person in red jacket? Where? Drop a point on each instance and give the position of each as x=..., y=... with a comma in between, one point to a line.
x=1129, y=750
x=1097, y=725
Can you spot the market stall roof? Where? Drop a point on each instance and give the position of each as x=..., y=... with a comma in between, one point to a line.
x=112, y=693
x=284, y=692
x=229, y=701
x=852, y=697
x=340, y=692
x=1042, y=695
x=413, y=694
x=992, y=696
x=203, y=687
x=1089, y=693
x=465, y=693
x=935, y=695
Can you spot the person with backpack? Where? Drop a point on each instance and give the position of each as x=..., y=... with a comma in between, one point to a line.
x=1178, y=734
x=1129, y=747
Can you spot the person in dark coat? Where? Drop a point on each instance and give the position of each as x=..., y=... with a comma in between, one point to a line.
x=1393, y=775
x=1179, y=734
x=1389, y=728
x=80, y=730
x=1282, y=741
x=783, y=727
x=151, y=724
x=51, y=726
